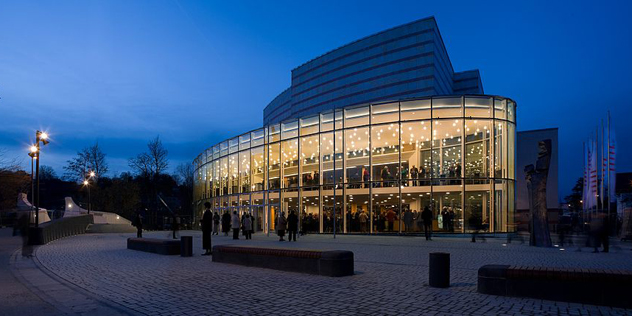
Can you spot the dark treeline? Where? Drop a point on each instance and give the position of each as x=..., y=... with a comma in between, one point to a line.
x=123, y=194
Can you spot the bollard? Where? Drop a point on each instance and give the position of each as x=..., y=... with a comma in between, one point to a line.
x=439, y=272
x=186, y=246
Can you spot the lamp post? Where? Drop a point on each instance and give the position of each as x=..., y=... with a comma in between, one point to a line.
x=39, y=137
x=33, y=155
x=86, y=182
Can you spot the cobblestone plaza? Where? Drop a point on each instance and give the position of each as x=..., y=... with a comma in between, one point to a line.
x=390, y=278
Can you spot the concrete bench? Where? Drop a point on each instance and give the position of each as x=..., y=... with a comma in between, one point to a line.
x=586, y=286
x=154, y=245
x=334, y=263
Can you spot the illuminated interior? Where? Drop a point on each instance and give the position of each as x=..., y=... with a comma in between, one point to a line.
x=373, y=169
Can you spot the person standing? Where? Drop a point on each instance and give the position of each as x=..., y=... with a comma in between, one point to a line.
x=363, y=221
x=414, y=174
x=207, y=222
x=408, y=220
x=226, y=223
x=139, y=225
x=427, y=218
x=390, y=217
x=22, y=224
x=175, y=224
x=280, y=225
x=385, y=176
x=366, y=177
x=235, y=224
x=445, y=216
x=216, y=219
x=605, y=234
x=247, y=226
x=292, y=225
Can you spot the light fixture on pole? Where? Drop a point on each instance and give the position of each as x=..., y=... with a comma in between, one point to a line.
x=43, y=138
x=86, y=183
x=33, y=154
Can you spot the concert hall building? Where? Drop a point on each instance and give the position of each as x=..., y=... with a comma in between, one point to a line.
x=368, y=136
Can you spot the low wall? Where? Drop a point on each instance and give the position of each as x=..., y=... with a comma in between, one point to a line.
x=333, y=263
x=155, y=245
x=586, y=286
x=63, y=227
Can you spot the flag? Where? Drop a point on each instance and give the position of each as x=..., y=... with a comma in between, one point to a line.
x=612, y=170
x=592, y=174
x=585, y=186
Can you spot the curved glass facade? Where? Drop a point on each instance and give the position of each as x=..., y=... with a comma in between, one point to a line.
x=372, y=169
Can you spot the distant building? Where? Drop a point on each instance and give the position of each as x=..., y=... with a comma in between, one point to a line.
x=527, y=154
x=624, y=191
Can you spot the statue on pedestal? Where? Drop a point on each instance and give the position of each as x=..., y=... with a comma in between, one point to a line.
x=536, y=183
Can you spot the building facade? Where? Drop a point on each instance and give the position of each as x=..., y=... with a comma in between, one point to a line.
x=353, y=158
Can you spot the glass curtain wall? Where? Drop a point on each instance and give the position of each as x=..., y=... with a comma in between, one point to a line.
x=373, y=169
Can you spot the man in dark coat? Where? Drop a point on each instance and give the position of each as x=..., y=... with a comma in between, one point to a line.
x=292, y=225
x=226, y=223
x=426, y=215
x=139, y=225
x=207, y=229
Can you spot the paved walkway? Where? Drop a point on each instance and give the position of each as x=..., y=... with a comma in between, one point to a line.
x=27, y=288
x=391, y=278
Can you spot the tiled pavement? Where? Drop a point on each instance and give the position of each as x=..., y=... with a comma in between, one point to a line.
x=391, y=277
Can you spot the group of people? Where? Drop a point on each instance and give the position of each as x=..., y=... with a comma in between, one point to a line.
x=210, y=223
x=281, y=224
x=311, y=179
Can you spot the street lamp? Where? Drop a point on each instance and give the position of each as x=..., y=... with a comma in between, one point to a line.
x=86, y=183
x=35, y=155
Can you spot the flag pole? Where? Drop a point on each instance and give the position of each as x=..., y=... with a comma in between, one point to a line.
x=603, y=170
x=608, y=165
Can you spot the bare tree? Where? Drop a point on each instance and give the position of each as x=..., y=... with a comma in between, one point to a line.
x=47, y=173
x=184, y=174
x=153, y=162
x=88, y=159
x=96, y=160
x=8, y=164
x=13, y=180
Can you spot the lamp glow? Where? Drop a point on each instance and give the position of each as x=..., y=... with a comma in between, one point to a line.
x=85, y=182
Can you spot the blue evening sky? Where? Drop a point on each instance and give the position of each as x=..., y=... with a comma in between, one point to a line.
x=197, y=72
